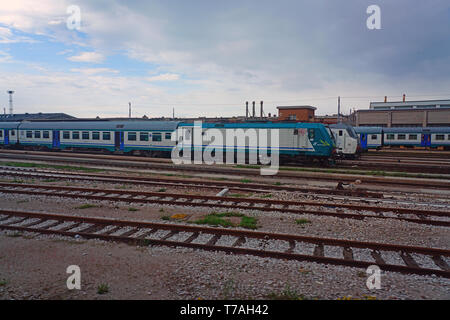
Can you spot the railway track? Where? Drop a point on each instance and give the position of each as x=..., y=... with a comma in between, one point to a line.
x=428, y=217
x=389, y=257
x=189, y=183
x=289, y=173
x=397, y=165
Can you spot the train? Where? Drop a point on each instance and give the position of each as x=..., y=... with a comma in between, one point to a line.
x=348, y=145
x=378, y=137
x=300, y=142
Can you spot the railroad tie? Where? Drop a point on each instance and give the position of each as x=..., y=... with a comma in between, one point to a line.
x=377, y=256
x=441, y=263
x=213, y=240
x=239, y=241
x=408, y=259
x=318, y=250
x=347, y=253
x=192, y=237
x=291, y=246
x=170, y=234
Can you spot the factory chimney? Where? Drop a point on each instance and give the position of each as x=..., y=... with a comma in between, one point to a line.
x=254, y=113
x=262, y=110
x=385, y=99
x=404, y=97
x=129, y=109
x=246, y=109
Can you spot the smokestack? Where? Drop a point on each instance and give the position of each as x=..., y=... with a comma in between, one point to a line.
x=129, y=109
x=254, y=113
x=404, y=97
x=10, y=92
x=261, y=111
x=385, y=99
x=246, y=109
x=339, y=109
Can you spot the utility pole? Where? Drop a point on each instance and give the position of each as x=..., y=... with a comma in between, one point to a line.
x=339, y=110
x=173, y=113
x=10, y=92
x=129, y=109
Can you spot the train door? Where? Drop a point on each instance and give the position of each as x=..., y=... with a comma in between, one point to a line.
x=364, y=140
x=6, y=140
x=56, y=141
x=118, y=140
x=426, y=140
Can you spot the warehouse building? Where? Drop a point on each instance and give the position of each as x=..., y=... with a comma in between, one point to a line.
x=425, y=113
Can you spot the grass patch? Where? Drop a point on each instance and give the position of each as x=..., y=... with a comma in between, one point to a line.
x=165, y=218
x=86, y=206
x=3, y=282
x=102, y=288
x=266, y=196
x=161, y=210
x=286, y=294
x=39, y=165
x=132, y=209
x=49, y=180
x=162, y=190
x=220, y=219
x=246, y=180
x=302, y=221
x=244, y=166
x=236, y=195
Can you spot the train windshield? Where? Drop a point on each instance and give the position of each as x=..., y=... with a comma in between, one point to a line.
x=331, y=135
x=351, y=131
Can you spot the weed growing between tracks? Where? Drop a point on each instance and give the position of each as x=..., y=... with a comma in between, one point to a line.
x=38, y=165
x=86, y=206
x=103, y=288
x=220, y=219
x=286, y=294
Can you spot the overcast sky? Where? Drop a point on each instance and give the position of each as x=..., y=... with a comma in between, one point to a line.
x=207, y=57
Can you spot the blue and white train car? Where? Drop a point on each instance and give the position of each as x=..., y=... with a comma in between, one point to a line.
x=150, y=137
x=8, y=133
x=302, y=141
x=370, y=137
x=439, y=136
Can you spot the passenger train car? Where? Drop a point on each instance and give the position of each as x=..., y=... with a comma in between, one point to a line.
x=377, y=137
x=347, y=142
x=301, y=141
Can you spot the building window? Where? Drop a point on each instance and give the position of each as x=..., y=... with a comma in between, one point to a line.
x=143, y=136
x=131, y=136
x=106, y=135
x=29, y=134
x=66, y=135
x=390, y=136
x=413, y=137
x=46, y=135
x=85, y=135
x=95, y=135
x=169, y=136
x=75, y=135
x=292, y=117
x=440, y=137
x=401, y=136
x=157, y=136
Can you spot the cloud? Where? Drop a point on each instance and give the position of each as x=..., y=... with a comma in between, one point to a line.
x=92, y=71
x=164, y=77
x=91, y=57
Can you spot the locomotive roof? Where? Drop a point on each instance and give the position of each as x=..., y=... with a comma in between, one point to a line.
x=368, y=129
x=102, y=125
x=267, y=125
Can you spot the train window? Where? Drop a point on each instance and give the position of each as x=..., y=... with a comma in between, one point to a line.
x=390, y=136
x=295, y=132
x=311, y=134
x=106, y=135
x=448, y=137
x=45, y=135
x=440, y=137
x=95, y=135
x=340, y=133
x=85, y=135
x=66, y=134
x=37, y=134
x=168, y=136
x=1, y=133
x=13, y=133
x=29, y=134
x=187, y=135
x=157, y=136
x=401, y=136
x=413, y=137
x=131, y=136
x=143, y=136
x=75, y=135
x=374, y=137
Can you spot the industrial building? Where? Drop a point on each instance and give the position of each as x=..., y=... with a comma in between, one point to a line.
x=35, y=116
x=424, y=113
